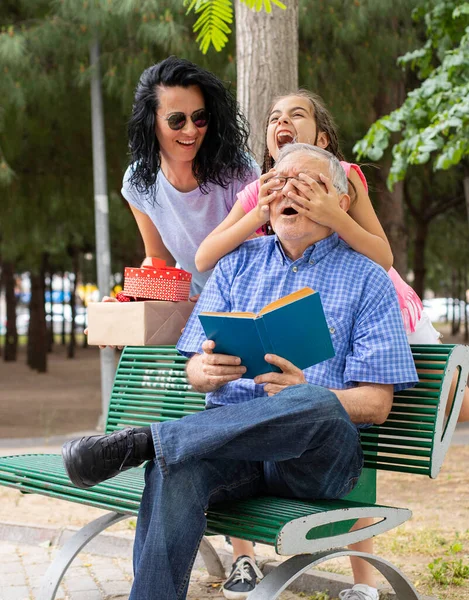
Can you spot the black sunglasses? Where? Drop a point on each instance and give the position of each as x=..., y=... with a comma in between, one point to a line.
x=177, y=120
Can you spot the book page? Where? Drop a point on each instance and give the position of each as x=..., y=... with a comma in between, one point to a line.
x=306, y=291
x=242, y=315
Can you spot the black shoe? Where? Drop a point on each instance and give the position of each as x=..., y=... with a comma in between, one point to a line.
x=242, y=579
x=93, y=459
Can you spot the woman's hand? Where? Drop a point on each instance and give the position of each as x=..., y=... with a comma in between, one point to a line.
x=265, y=196
x=106, y=299
x=317, y=200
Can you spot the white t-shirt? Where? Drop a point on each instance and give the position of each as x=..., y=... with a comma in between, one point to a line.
x=184, y=219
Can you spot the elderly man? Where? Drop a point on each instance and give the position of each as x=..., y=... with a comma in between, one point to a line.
x=293, y=433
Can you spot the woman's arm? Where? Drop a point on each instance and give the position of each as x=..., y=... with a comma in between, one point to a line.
x=152, y=241
x=361, y=229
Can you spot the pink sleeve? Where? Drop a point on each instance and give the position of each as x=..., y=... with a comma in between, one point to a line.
x=348, y=166
x=248, y=197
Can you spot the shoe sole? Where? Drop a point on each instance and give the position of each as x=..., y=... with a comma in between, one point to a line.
x=72, y=472
x=235, y=595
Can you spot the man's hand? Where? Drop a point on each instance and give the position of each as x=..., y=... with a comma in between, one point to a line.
x=276, y=382
x=208, y=371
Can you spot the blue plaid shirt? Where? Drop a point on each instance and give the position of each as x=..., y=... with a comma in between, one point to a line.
x=359, y=302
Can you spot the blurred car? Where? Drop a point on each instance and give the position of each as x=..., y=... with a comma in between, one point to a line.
x=441, y=309
x=22, y=319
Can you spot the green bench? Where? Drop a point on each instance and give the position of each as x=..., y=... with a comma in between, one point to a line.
x=150, y=385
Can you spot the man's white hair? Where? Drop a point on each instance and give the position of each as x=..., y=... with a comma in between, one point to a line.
x=336, y=171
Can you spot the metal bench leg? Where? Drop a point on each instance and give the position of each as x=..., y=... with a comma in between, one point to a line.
x=211, y=559
x=280, y=578
x=56, y=571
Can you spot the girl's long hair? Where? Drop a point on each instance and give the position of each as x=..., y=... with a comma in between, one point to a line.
x=224, y=153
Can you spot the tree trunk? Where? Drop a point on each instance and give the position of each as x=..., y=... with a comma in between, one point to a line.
x=390, y=96
x=466, y=187
x=391, y=216
x=421, y=232
x=50, y=312
x=37, y=333
x=455, y=294
x=11, y=334
x=73, y=289
x=466, y=306
x=63, y=309
x=261, y=39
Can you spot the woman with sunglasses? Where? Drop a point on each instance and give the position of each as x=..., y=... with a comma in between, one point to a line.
x=189, y=160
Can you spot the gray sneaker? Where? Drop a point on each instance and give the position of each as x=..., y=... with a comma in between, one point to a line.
x=242, y=580
x=360, y=591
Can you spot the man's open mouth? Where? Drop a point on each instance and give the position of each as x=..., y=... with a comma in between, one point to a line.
x=288, y=211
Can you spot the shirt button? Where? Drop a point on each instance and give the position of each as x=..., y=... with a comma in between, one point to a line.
x=311, y=262
x=295, y=269
x=331, y=329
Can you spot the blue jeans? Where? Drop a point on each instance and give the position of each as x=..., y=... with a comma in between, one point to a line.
x=299, y=443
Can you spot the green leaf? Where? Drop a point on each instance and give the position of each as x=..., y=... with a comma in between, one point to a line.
x=461, y=10
x=212, y=23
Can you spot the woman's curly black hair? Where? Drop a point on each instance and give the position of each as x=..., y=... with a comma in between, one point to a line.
x=224, y=153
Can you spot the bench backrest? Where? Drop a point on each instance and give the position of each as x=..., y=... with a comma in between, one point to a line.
x=151, y=385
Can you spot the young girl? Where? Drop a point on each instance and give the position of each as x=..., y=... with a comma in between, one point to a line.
x=301, y=117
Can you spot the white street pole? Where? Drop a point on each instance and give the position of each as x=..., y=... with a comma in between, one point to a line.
x=101, y=212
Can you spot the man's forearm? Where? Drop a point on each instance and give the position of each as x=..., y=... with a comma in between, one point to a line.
x=367, y=403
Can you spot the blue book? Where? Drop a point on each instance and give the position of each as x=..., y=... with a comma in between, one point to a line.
x=293, y=327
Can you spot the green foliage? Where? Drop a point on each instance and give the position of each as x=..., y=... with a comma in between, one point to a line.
x=266, y=5
x=315, y=596
x=450, y=571
x=352, y=70
x=212, y=25
x=434, y=118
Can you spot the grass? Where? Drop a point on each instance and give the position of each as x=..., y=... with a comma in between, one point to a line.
x=23, y=339
x=425, y=541
x=450, y=569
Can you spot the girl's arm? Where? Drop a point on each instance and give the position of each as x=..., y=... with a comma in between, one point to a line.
x=363, y=231
x=231, y=233
x=359, y=227
x=237, y=227
x=152, y=241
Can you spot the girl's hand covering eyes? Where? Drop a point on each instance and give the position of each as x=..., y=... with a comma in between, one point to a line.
x=265, y=196
x=317, y=200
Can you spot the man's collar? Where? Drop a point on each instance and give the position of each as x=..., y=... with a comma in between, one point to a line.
x=313, y=253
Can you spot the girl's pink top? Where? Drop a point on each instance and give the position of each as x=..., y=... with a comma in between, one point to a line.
x=409, y=302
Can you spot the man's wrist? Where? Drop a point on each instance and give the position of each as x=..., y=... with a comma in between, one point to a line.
x=196, y=376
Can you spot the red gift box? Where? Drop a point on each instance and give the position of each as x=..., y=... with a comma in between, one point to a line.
x=157, y=282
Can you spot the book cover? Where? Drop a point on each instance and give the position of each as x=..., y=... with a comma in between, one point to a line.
x=293, y=327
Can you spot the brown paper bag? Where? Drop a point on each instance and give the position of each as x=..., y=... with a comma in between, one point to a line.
x=149, y=323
